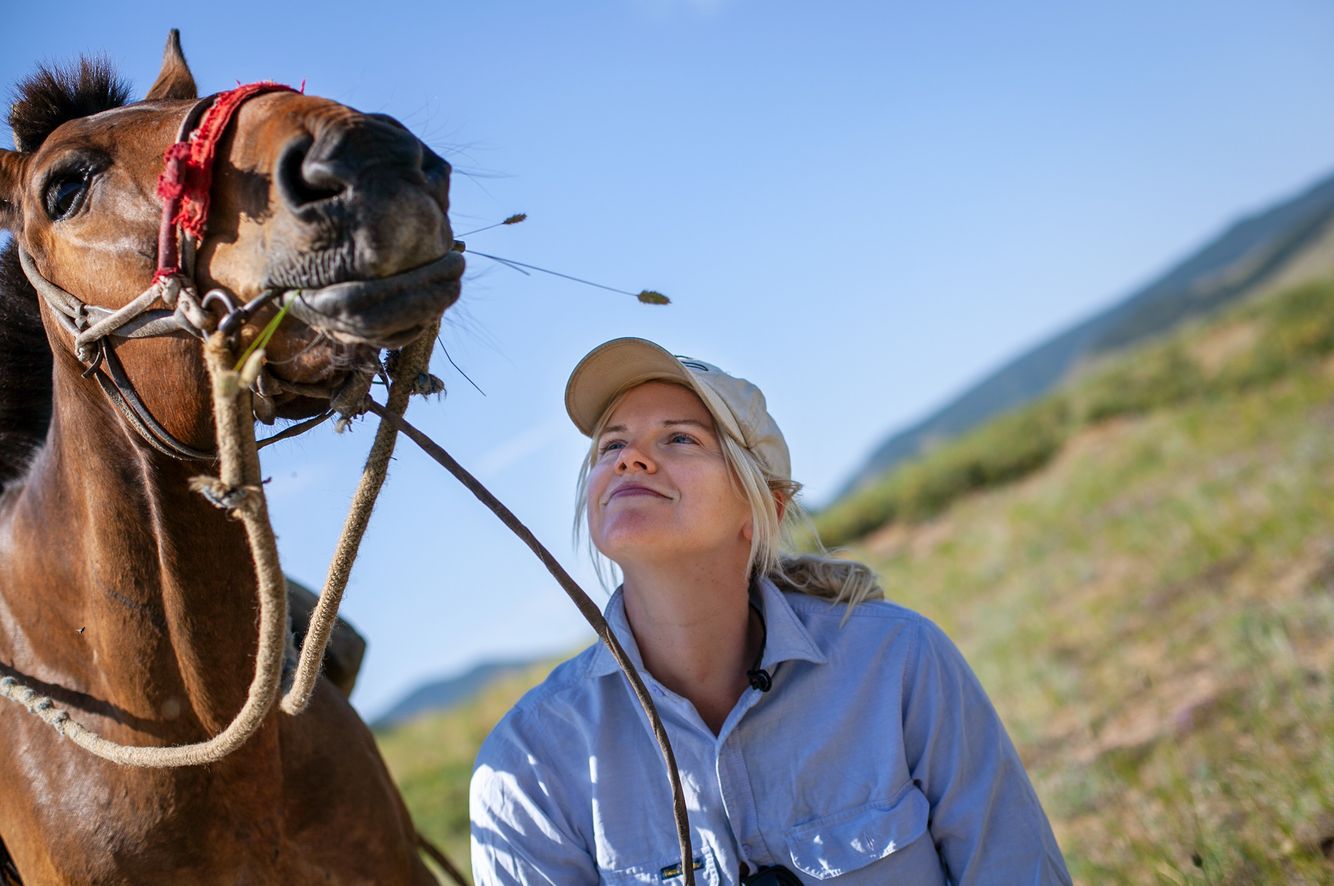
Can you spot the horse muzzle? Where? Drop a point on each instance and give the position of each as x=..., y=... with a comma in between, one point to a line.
x=386, y=312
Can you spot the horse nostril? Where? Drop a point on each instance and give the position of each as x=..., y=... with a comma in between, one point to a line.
x=433, y=166
x=304, y=180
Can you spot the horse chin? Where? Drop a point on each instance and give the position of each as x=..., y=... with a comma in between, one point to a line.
x=384, y=312
x=306, y=372
x=297, y=408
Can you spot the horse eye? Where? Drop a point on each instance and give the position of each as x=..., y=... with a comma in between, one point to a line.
x=64, y=195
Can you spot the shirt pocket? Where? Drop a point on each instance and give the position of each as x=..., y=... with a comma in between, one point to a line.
x=850, y=840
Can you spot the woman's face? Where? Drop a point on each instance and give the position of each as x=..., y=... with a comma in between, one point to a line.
x=660, y=487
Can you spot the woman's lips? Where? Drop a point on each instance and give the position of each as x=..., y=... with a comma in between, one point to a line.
x=632, y=489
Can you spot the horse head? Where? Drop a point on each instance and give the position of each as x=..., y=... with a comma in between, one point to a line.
x=342, y=214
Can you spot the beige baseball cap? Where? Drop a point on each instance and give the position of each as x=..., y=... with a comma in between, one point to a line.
x=737, y=406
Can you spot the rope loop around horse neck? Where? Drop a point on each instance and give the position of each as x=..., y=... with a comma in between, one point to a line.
x=239, y=474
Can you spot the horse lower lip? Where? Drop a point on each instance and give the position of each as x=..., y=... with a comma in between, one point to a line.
x=382, y=311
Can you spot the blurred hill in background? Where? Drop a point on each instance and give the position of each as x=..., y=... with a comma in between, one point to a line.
x=445, y=693
x=1287, y=243
x=1137, y=560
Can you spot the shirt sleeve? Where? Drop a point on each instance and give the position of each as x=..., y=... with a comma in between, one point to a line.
x=517, y=838
x=986, y=820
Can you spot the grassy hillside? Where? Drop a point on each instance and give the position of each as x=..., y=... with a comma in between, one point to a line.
x=1141, y=570
x=1252, y=344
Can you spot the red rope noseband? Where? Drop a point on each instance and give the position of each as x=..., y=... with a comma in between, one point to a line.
x=187, y=176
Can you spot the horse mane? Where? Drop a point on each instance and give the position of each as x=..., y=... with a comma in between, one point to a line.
x=51, y=96
x=56, y=95
x=25, y=370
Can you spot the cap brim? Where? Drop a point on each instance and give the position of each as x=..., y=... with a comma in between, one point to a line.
x=621, y=364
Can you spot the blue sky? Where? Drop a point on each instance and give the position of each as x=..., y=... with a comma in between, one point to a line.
x=861, y=206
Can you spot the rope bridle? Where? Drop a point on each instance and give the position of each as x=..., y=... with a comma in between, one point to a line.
x=185, y=187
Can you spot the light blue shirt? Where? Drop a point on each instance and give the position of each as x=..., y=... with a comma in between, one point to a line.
x=875, y=758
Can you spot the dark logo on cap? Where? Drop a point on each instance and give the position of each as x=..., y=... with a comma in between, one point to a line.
x=693, y=364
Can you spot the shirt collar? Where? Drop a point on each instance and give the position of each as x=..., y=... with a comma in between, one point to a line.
x=786, y=637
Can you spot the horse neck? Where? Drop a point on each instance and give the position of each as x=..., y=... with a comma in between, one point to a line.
x=145, y=593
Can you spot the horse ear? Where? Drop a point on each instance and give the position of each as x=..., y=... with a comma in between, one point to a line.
x=175, y=79
x=11, y=163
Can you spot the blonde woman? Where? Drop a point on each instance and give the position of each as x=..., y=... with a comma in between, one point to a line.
x=821, y=733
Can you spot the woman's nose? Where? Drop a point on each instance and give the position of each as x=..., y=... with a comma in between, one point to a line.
x=633, y=458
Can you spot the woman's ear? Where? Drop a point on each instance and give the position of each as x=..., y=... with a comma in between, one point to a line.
x=11, y=167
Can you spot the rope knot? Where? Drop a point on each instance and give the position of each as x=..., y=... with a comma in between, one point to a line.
x=426, y=385
x=229, y=498
x=351, y=400
x=169, y=287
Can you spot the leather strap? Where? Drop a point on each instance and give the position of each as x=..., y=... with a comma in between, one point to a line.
x=184, y=186
x=120, y=391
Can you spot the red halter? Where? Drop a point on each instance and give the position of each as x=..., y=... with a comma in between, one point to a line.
x=187, y=175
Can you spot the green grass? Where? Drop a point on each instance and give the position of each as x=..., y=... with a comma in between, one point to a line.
x=1140, y=568
x=1153, y=614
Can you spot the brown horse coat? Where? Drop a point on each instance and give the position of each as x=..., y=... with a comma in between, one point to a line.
x=125, y=596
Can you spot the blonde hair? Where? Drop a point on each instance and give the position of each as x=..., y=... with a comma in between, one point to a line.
x=772, y=547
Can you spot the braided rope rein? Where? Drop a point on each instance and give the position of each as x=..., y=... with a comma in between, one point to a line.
x=407, y=375
x=587, y=608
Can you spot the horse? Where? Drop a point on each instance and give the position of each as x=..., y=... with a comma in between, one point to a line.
x=126, y=597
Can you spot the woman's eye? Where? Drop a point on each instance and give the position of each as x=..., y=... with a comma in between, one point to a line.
x=64, y=195
x=682, y=438
x=609, y=446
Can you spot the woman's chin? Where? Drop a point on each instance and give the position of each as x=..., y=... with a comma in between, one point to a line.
x=629, y=554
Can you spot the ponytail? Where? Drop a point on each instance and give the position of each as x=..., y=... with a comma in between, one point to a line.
x=841, y=581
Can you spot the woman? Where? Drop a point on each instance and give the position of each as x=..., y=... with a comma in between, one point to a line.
x=815, y=741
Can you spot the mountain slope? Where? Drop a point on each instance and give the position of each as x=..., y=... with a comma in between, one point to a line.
x=1280, y=246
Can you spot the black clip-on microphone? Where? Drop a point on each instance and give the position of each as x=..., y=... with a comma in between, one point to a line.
x=757, y=676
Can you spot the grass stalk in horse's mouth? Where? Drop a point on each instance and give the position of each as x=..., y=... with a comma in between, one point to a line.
x=262, y=340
